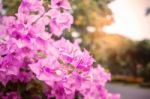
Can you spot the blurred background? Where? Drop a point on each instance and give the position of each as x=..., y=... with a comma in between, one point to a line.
x=117, y=33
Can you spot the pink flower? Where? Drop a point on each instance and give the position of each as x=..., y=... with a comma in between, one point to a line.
x=28, y=6
x=60, y=22
x=28, y=52
x=72, y=54
x=60, y=4
x=84, y=61
x=100, y=76
x=47, y=70
x=3, y=49
x=114, y=96
x=11, y=95
x=25, y=76
x=10, y=65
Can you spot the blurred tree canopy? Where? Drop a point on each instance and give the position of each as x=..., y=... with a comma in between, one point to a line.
x=90, y=13
x=142, y=57
x=143, y=52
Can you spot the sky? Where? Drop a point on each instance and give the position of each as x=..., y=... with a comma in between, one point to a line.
x=130, y=19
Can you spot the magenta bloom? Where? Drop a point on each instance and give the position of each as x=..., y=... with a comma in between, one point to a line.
x=10, y=95
x=60, y=4
x=28, y=6
x=28, y=53
x=60, y=22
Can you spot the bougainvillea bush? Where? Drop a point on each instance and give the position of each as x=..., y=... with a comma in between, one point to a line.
x=36, y=62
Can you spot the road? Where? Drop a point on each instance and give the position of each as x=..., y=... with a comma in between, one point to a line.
x=129, y=91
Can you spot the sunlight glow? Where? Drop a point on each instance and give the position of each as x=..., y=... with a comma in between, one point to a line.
x=130, y=19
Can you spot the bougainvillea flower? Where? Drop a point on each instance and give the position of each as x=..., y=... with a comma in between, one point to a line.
x=31, y=6
x=60, y=22
x=60, y=4
x=28, y=53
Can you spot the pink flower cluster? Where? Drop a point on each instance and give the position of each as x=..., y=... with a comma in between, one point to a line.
x=28, y=51
x=10, y=95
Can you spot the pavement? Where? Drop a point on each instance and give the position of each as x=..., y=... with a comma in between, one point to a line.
x=129, y=91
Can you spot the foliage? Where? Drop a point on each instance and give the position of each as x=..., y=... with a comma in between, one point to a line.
x=142, y=57
x=90, y=13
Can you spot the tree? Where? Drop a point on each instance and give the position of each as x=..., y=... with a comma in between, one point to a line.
x=142, y=57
